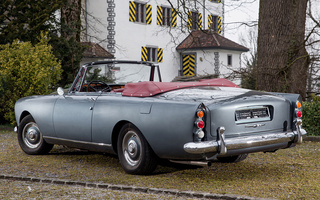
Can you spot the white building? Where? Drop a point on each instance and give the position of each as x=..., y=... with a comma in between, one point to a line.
x=161, y=32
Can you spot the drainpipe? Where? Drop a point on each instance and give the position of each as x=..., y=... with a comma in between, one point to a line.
x=86, y=18
x=204, y=14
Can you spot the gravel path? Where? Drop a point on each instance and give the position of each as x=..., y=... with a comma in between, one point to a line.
x=11, y=189
x=14, y=187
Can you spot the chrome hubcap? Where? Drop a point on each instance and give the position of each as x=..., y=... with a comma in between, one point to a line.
x=31, y=135
x=131, y=148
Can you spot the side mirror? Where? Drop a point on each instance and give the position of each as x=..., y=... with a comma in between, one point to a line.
x=60, y=91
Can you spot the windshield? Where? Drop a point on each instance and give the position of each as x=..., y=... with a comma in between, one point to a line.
x=106, y=76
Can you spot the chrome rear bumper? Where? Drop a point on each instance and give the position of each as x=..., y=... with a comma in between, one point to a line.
x=222, y=145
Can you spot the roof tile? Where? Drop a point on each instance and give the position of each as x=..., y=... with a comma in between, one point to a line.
x=207, y=39
x=94, y=50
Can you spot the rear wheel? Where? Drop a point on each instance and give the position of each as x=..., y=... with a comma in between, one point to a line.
x=232, y=159
x=134, y=152
x=30, y=138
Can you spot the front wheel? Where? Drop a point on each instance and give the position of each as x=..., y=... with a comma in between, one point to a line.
x=232, y=159
x=134, y=152
x=30, y=138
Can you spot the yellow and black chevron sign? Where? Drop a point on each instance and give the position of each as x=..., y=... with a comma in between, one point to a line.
x=219, y=25
x=160, y=54
x=132, y=11
x=159, y=16
x=174, y=18
x=148, y=14
x=188, y=65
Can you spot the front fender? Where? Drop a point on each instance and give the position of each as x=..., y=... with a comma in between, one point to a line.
x=40, y=108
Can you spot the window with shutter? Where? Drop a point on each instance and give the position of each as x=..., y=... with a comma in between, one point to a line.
x=194, y=20
x=139, y=12
x=151, y=54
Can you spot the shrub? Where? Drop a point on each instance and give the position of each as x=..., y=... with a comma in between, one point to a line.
x=26, y=70
x=311, y=116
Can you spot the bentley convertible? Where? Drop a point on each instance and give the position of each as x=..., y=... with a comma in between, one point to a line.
x=123, y=107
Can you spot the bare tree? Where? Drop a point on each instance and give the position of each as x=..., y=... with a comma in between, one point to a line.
x=282, y=57
x=313, y=47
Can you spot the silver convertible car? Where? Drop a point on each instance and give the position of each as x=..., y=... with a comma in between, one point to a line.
x=122, y=107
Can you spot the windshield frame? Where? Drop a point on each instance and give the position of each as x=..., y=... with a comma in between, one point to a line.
x=154, y=68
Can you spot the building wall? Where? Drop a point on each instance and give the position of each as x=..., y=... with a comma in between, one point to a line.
x=108, y=21
x=216, y=62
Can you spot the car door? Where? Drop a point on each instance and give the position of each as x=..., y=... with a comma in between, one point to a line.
x=72, y=116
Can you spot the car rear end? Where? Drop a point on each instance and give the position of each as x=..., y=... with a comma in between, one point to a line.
x=246, y=123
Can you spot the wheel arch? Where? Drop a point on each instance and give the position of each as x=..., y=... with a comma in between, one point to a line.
x=116, y=132
x=23, y=115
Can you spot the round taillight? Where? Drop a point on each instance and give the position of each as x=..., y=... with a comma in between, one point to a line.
x=200, y=114
x=200, y=124
x=200, y=134
x=299, y=114
x=298, y=104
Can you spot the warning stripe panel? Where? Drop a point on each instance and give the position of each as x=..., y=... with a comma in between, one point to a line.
x=219, y=24
x=159, y=15
x=132, y=11
x=160, y=54
x=174, y=18
x=209, y=21
x=188, y=65
x=199, y=21
x=144, y=54
x=189, y=20
x=148, y=14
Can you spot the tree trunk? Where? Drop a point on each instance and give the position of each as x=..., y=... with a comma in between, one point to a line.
x=70, y=18
x=282, y=58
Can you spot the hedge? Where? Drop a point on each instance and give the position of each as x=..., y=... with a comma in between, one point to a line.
x=26, y=70
x=311, y=116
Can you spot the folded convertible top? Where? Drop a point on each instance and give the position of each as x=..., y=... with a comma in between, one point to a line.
x=150, y=88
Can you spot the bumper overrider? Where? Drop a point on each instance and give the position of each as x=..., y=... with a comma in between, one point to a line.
x=222, y=145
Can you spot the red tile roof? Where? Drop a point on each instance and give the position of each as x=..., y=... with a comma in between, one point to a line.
x=94, y=50
x=207, y=39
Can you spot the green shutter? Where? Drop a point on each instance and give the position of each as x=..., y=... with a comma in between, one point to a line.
x=132, y=11
x=160, y=54
x=159, y=16
x=148, y=14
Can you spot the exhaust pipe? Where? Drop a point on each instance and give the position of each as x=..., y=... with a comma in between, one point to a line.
x=196, y=163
